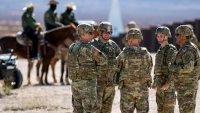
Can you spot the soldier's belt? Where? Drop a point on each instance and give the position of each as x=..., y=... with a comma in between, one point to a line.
x=82, y=78
x=133, y=84
x=141, y=81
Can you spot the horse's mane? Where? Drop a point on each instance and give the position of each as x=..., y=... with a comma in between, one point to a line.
x=61, y=28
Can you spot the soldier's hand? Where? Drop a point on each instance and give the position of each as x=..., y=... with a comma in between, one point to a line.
x=165, y=87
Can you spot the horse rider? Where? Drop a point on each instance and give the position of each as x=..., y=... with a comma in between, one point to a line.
x=50, y=16
x=68, y=16
x=31, y=28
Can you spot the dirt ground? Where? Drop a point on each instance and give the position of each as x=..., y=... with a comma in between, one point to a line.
x=54, y=98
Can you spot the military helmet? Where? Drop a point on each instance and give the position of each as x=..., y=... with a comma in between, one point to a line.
x=53, y=2
x=84, y=28
x=134, y=33
x=131, y=24
x=163, y=30
x=105, y=27
x=184, y=30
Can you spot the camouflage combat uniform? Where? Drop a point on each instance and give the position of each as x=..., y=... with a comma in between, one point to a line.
x=186, y=80
x=135, y=64
x=83, y=72
x=165, y=55
x=135, y=79
x=106, y=88
x=186, y=66
x=165, y=99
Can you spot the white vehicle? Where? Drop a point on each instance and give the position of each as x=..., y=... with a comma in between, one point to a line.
x=11, y=75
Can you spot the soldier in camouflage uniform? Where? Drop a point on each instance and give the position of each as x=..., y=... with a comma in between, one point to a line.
x=163, y=78
x=106, y=88
x=131, y=24
x=68, y=16
x=83, y=61
x=135, y=77
x=186, y=66
x=50, y=16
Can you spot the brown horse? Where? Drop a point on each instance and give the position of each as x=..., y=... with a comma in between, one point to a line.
x=53, y=39
x=62, y=55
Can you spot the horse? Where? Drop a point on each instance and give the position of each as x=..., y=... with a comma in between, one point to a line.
x=62, y=54
x=53, y=40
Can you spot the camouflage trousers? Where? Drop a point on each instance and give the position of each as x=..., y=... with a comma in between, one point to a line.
x=165, y=100
x=106, y=93
x=186, y=88
x=187, y=100
x=84, y=96
x=134, y=98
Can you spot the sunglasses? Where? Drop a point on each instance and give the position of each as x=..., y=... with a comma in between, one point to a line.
x=176, y=35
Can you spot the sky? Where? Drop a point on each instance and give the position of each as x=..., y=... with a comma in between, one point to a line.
x=144, y=12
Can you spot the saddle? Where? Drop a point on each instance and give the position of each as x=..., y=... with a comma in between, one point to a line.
x=22, y=39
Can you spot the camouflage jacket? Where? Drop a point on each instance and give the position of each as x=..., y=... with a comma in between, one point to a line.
x=187, y=66
x=83, y=62
x=187, y=61
x=28, y=21
x=136, y=65
x=110, y=49
x=164, y=57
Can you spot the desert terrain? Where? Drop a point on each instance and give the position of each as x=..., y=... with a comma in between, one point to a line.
x=54, y=98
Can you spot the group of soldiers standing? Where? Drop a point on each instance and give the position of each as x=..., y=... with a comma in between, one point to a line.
x=176, y=70
x=51, y=20
x=92, y=65
x=97, y=65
